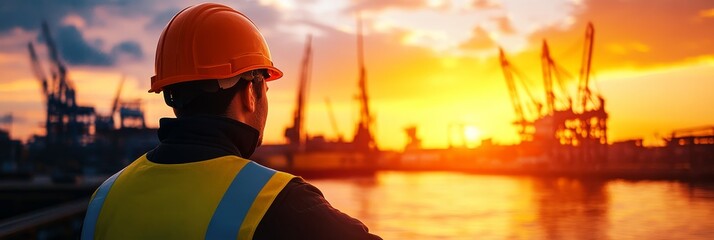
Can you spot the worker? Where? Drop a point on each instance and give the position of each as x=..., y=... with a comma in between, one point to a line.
x=212, y=65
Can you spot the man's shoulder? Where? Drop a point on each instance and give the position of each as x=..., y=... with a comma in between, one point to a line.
x=299, y=196
x=301, y=211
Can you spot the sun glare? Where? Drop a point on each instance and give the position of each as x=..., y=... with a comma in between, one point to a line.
x=472, y=134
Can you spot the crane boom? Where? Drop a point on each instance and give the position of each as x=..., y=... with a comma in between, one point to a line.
x=584, y=86
x=59, y=82
x=366, y=118
x=363, y=137
x=525, y=126
x=547, y=63
x=37, y=69
x=115, y=103
x=550, y=70
x=295, y=134
x=52, y=47
x=515, y=97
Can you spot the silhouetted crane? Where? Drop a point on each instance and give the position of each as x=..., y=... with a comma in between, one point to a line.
x=37, y=70
x=574, y=129
x=67, y=124
x=523, y=122
x=584, y=92
x=115, y=103
x=106, y=123
x=552, y=69
x=131, y=114
x=363, y=138
x=592, y=107
x=295, y=134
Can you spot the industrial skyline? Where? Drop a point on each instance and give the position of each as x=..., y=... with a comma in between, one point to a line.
x=432, y=64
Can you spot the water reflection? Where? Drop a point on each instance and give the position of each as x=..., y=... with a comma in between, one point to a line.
x=571, y=209
x=439, y=205
x=661, y=210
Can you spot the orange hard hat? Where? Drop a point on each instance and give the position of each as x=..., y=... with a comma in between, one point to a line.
x=209, y=41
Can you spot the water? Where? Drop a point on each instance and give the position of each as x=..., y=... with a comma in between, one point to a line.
x=440, y=205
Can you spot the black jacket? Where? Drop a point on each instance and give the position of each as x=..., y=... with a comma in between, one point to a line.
x=300, y=211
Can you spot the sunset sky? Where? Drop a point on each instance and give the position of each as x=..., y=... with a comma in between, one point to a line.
x=431, y=64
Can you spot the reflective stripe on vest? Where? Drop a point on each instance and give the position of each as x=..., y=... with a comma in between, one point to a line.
x=234, y=206
x=95, y=206
x=245, y=201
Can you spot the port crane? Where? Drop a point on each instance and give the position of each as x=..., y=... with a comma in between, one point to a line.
x=589, y=121
x=592, y=105
x=75, y=134
x=363, y=138
x=576, y=128
x=106, y=123
x=524, y=115
x=131, y=114
x=550, y=128
x=67, y=123
x=551, y=70
x=295, y=134
x=570, y=127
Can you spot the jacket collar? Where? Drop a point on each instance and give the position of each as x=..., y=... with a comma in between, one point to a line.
x=224, y=133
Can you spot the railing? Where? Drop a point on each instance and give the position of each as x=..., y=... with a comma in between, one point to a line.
x=59, y=222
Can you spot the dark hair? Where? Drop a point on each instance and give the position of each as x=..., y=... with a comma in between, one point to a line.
x=206, y=97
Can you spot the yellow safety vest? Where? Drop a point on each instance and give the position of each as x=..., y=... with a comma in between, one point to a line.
x=221, y=198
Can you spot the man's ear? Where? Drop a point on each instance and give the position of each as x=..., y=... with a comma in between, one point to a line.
x=248, y=98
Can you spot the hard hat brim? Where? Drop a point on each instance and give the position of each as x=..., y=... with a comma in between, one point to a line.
x=273, y=72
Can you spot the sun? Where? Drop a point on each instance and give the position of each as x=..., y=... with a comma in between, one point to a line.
x=472, y=134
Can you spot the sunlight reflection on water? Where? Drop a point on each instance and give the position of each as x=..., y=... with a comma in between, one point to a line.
x=439, y=205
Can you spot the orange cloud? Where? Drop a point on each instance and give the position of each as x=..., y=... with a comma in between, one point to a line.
x=639, y=33
x=479, y=40
x=504, y=25
x=379, y=5
x=709, y=13
x=485, y=4
x=628, y=48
